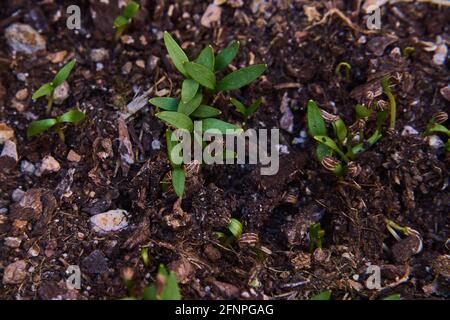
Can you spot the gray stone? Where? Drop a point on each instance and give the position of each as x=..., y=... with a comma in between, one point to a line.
x=95, y=263
x=23, y=38
x=110, y=221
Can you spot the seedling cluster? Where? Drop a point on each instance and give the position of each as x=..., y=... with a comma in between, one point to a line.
x=124, y=20
x=338, y=154
x=198, y=91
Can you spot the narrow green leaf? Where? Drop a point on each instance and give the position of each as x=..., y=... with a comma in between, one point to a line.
x=227, y=55
x=201, y=74
x=39, y=126
x=332, y=145
x=241, y=77
x=63, y=74
x=130, y=10
x=188, y=90
x=178, y=181
x=325, y=295
x=212, y=123
x=165, y=103
x=206, y=58
x=340, y=130
x=171, y=290
x=191, y=106
x=439, y=128
x=176, y=53
x=235, y=227
x=176, y=163
x=254, y=106
x=204, y=111
x=395, y=296
x=176, y=119
x=73, y=116
x=44, y=90
x=316, y=124
x=239, y=106
x=362, y=111
x=322, y=151
x=120, y=22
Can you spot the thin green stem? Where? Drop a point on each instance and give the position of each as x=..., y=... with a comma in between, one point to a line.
x=347, y=67
x=50, y=102
x=387, y=91
x=60, y=132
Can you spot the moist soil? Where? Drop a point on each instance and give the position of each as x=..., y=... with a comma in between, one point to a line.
x=402, y=177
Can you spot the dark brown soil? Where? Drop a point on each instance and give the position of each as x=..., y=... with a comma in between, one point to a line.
x=402, y=178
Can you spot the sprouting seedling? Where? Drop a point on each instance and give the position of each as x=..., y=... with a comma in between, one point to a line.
x=49, y=88
x=337, y=155
x=324, y=295
x=347, y=67
x=198, y=92
x=246, y=112
x=407, y=52
x=436, y=126
x=164, y=288
x=37, y=127
x=406, y=231
x=124, y=20
x=144, y=256
x=316, y=235
x=393, y=105
x=235, y=229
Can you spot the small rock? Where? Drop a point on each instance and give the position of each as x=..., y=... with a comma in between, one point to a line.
x=156, y=145
x=98, y=55
x=27, y=167
x=12, y=242
x=72, y=156
x=440, y=55
x=99, y=66
x=8, y=157
x=287, y=118
x=127, y=39
x=48, y=165
x=61, y=93
x=153, y=62
x=23, y=38
x=140, y=63
x=95, y=263
x=227, y=290
x=435, y=142
x=19, y=106
x=212, y=14
x=445, y=91
x=34, y=250
x=403, y=250
x=6, y=133
x=126, y=68
x=29, y=207
x=57, y=57
x=408, y=130
x=17, y=195
x=19, y=226
x=378, y=44
x=22, y=94
x=110, y=221
x=15, y=272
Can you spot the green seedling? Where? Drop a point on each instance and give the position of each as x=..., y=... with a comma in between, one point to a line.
x=124, y=20
x=395, y=296
x=164, y=288
x=246, y=112
x=393, y=105
x=324, y=295
x=316, y=235
x=347, y=67
x=144, y=256
x=49, y=88
x=347, y=143
x=436, y=126
x=37, y=127
x=407, y=52
x=234, y=233
x=198, y=91
x=405, y=231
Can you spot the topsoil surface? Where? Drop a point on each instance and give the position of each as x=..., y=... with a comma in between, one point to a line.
x=402, y=177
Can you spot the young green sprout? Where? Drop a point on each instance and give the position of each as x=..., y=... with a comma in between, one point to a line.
x=315, y=236
x=164, y=288
x=393, y=105
x=49, y=88
x=347, y=67
x=338, y=154
x=37, y=127
x=246, y=112
x=124, y=20
x=198, y=91
x=436, y=126
x=406, y=231
x=235, y=229
x=407, y=52
x=324, y=295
